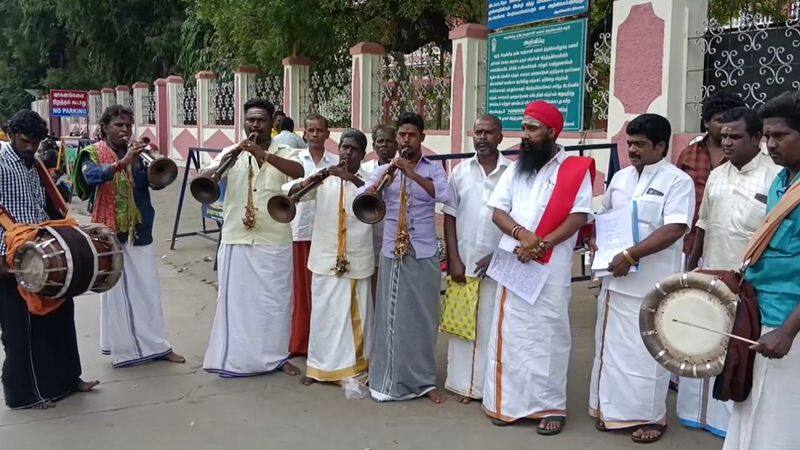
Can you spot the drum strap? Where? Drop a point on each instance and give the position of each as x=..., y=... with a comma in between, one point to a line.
x=50, y=190
x=6, y=219
x=763, y=235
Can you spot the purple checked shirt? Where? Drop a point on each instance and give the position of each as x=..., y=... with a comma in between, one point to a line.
x=421, y=207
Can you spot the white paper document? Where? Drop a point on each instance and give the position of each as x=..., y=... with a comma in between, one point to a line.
x=613, y=234
x=524, y=280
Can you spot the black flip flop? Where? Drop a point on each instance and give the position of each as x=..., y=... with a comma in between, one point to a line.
x=541, y=429
x=501, y=423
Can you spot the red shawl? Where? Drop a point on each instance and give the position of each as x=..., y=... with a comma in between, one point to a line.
x=568, y=182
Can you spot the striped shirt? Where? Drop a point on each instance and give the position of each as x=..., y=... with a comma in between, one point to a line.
x=21, y=191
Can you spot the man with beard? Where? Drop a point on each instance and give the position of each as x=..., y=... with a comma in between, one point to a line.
x=41, y=349
x=403, y=348
x=767, y=420
x=628, y=387
x=252, y=325
x=471, y=239
x=313, y=159
x=540, y=203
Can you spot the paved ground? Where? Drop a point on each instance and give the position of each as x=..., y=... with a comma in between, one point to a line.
x=168, y=406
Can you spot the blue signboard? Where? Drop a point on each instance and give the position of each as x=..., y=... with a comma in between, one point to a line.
x=538, y=63
x=509, y=13
x=213, y=211
x=66, y=103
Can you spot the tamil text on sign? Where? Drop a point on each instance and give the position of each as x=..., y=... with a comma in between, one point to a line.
x=509, y=13
x=69, y=103
x=540, y=63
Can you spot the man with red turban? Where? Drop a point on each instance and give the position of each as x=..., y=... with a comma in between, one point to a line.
x=540, y=203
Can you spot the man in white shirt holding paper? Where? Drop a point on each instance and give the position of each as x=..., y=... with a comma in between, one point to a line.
x=734, y=205
x=471, y=238
x=628, y=387
x=540, y=203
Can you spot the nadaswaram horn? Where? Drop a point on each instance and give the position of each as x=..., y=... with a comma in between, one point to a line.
x=205, y=187
x=369, y=207
x=282, y=208
x=161, y=171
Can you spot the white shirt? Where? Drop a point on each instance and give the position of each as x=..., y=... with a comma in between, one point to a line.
x=470, y=188
x=303, y=222
x=734, y=205
x=369, y=166
x=267, y=181
x=525, y=198
x=377, y=229
x=325, y=240
x=664, y=194
x=290, y=139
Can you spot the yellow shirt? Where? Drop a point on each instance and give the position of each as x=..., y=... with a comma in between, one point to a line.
x=267, y=181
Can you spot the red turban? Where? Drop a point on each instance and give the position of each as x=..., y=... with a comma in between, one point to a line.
x=547, y=114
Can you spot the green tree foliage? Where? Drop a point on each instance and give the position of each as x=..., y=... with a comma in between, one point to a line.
x=725, y=10
x=27, y=43
x=121, y=41
x=87, y=44
x=262, y=32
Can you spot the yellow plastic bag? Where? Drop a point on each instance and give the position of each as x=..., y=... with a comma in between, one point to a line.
x=460, y=309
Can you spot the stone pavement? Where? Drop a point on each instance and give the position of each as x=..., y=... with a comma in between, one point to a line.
x=169, y=406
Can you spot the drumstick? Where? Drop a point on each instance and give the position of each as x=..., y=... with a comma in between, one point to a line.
x=732, y=336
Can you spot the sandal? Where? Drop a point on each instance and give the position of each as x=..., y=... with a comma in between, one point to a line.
x=600, y=425
x=500, y=423
x=648, y=427
x=542, y=428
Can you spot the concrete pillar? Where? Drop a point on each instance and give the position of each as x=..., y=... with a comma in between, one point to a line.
x=469, y=47
x=204, y=80
x=244, y=82
x=140, y=90
x=650, y=59
x=174, y=83
x=296, y=80
x=109, y=96
x=94, y=113
x=163, y=120
x=365, y=85
x=123, y=95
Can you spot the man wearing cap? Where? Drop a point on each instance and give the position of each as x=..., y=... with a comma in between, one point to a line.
x=540, y=203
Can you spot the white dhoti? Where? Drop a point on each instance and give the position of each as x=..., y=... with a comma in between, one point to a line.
x=252, y=325
x=767, y=420
x=697, y=408
x=340, y=310
x=528, y=355
x=132, y=322
x=628, y=387
x=466, y=360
